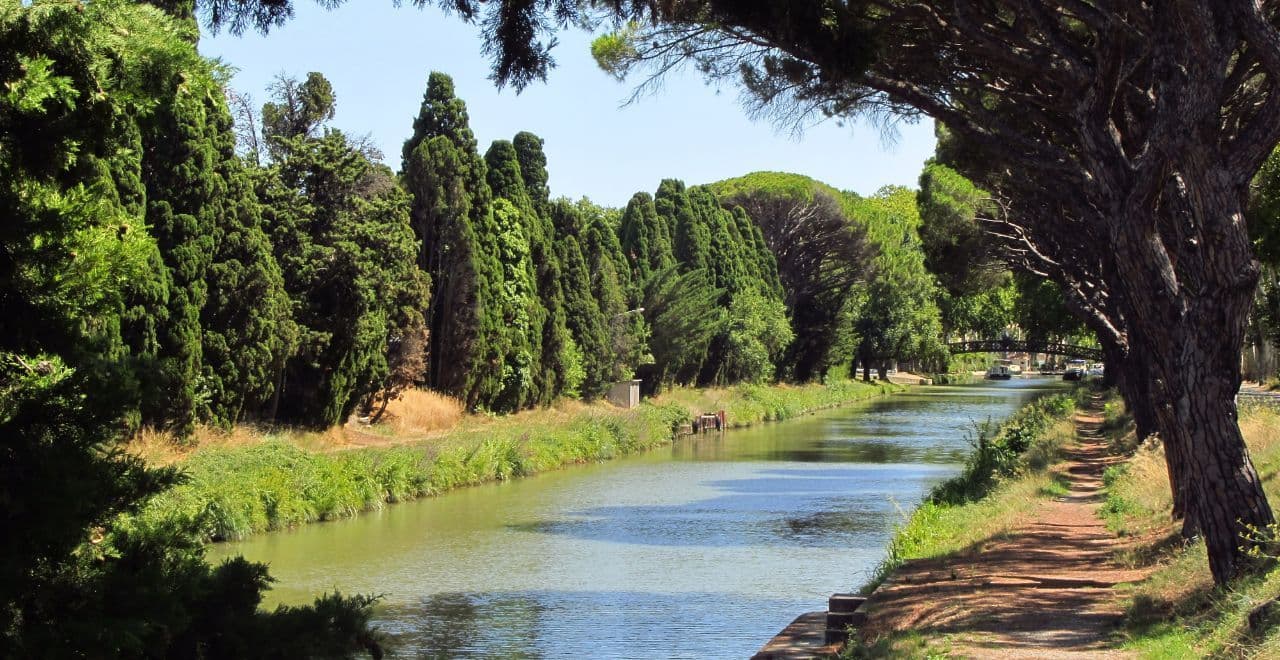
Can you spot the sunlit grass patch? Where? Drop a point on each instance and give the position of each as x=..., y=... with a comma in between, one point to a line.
x=907, y=644
x=249, y=481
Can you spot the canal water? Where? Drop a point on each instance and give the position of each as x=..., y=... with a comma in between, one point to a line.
x=701, y=550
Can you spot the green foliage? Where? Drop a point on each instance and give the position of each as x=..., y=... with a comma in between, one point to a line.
x=1000, y=451
x=956, y=248
x=591, y=329
x=1263, y=214
x=93, y=301
x=971, y=505
x=900, y=319
x=683, y=310
x=1041, y=311
x=643, y=237
x=521, y=311
x=758, y=333
x=299, y=108
x=341, y=231
x=452, y=218
x=807, y=232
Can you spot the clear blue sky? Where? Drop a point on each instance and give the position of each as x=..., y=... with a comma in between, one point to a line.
x=378, y=58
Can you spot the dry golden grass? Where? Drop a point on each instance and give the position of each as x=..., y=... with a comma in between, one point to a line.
x=423, y=411
x=159, y=447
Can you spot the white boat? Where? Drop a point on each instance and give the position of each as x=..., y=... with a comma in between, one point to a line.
x=999, y=372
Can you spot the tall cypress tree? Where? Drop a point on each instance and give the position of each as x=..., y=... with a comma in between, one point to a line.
x=340, y=226
x=643, y=237
x=691, y=238
x=533, y=168
x=557, y=354
x=524, y=315
x=452, y=217
x=588, y=325
x=184, y=198
x=247, y=326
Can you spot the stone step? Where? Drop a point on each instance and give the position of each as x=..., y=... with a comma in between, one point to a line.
x=845, y=602
x=842, y=620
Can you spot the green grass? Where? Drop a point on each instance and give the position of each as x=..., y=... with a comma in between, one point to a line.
x=745, y=405
x=234, y=492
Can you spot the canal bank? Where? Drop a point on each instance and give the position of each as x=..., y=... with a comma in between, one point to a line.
x=694, y=550
x=1001, y=482
x=273, y=482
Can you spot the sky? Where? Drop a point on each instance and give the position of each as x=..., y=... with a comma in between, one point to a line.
x=378, y=58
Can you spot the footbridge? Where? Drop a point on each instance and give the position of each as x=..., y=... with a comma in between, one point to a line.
x=1018, y=346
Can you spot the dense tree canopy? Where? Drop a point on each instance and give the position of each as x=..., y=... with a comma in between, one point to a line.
x=821, y=253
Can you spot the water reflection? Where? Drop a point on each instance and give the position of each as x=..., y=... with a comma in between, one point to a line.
x=551, y=624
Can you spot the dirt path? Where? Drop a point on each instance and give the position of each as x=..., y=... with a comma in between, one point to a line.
x=1042, y=591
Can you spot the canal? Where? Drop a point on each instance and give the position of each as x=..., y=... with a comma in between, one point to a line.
x=700, y=550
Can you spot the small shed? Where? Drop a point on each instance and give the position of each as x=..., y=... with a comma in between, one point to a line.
x=625, y=393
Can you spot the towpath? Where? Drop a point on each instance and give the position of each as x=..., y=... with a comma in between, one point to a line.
x=1044, y=590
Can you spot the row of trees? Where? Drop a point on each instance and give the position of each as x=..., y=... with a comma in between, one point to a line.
x=170, y=259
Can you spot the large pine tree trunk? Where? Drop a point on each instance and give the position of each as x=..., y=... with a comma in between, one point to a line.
x=1187, y=278
x=1132, y=379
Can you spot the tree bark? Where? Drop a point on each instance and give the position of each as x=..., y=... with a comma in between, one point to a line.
x=1187, y=302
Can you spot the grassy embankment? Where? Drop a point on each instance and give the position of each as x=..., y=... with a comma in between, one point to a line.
x=247, y=482
x=1009, y=469
x=1177, y=612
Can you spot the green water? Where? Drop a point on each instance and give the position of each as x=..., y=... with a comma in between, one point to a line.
x=701, y=550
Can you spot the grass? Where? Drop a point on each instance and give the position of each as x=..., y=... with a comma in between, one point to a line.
x=246, y=482
x=745, y=405
x=1178, y=612
x=423, y=411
